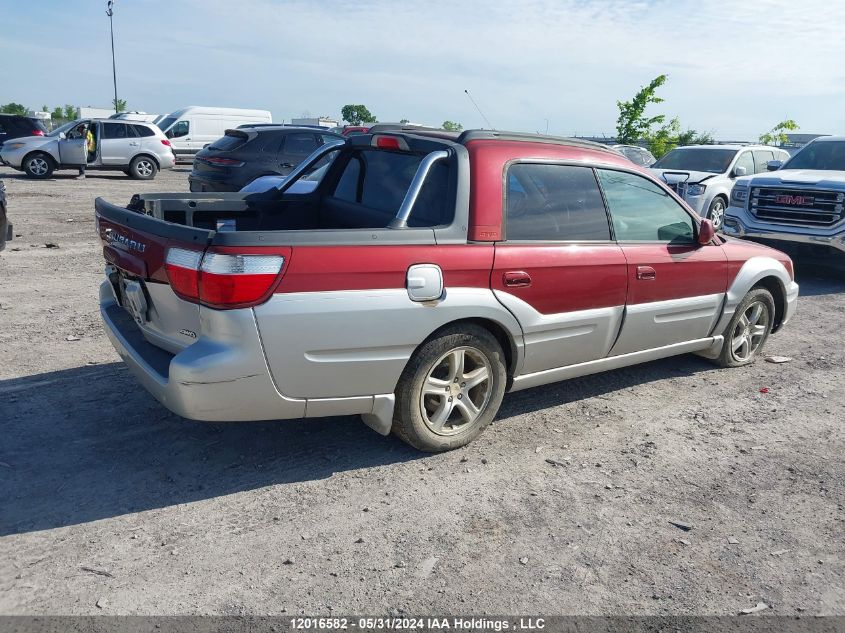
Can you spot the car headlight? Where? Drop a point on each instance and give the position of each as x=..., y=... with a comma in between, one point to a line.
x=739, y=195
x=695, y=190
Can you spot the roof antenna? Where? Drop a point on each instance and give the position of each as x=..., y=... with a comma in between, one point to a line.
x=486, y=120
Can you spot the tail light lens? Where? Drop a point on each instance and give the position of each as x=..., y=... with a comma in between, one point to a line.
x=221, y=280
x=38, y=132
x=164, y=141
x=223, y=162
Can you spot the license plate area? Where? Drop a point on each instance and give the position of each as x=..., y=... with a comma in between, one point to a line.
x=131, y=295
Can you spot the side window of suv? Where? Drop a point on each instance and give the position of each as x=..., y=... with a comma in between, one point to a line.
x=114, y=130
x=554, y=203
x=641, y=211
x=300, y=144
x=761, y=157
x=745, y=160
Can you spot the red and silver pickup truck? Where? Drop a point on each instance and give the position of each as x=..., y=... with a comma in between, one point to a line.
x=419, y=277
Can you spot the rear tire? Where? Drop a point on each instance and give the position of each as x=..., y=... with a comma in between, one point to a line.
x=38, y=165
x=748, y=330
x=143, y=168
x=450, y=390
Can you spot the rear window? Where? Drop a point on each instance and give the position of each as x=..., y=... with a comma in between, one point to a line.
x=37, y=124
x=380, y=179
x=230, y=141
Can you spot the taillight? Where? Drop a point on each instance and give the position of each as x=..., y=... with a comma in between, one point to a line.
x=38, y=132
x=221, y=280
x=223, y=162
x=164, y=141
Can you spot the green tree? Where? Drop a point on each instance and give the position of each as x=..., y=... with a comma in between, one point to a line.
x=70, y=112
x=13, y=108
x=632, y=124
x=691, y=137
x=57, y=113
x=45, y=108
x=119, y=105
x=451, y=126
x=357, y=114
x=404, y=121
x=664, y=139
x=777, y=135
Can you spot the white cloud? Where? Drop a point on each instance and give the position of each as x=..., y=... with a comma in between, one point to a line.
x=734, y=68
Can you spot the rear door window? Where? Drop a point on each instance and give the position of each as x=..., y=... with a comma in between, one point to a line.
x=143, y=130
x=554, y=203
x=300, y=144
x=114, y=130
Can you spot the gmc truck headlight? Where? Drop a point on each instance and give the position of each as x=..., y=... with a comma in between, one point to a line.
x=695, y=190
x=739, y=195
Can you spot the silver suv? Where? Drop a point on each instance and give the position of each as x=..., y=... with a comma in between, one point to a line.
x=704, y=175
x=136, y=148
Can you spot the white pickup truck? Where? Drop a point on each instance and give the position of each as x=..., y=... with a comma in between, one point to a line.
x=799, y=206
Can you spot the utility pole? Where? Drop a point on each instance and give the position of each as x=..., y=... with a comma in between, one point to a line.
x=110, y=13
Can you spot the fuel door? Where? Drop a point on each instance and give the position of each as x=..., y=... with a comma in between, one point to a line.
x=424, y=282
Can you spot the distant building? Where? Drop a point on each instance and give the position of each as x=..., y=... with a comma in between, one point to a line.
x=94, y=113
x=322, y=121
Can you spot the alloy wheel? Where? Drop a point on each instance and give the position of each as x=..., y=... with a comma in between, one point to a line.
x=750, y=330
x=38, y=166
x=456, y=390
x=717, y=213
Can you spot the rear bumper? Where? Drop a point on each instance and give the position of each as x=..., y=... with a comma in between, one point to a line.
x=223, y=377
x=207, y=184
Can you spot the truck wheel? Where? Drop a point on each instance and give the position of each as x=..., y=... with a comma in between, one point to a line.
x=38, y=165
x=748, y=330
x=450, y=390
x=143, y=168
x=716, y=212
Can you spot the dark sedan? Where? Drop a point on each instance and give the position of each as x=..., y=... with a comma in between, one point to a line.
x=244, y=154
x=5, y=225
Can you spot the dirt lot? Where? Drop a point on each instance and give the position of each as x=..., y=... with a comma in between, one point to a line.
x=109, y=504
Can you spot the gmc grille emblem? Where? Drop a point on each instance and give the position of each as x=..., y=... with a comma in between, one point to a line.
x=795, y=200
x=121, y=240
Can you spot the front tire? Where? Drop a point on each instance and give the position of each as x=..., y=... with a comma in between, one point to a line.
x=748, y=330
x=143, y=168
x=38, y=165
x=716, y=212
x=450, y=390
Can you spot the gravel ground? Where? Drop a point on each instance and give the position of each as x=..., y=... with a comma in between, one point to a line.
x=110, y=504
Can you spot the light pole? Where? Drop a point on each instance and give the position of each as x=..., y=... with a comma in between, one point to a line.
x=110, y=13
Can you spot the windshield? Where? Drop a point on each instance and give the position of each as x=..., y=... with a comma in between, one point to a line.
x=63, y=128
x=824, y=155
x=166, y=123
x=715, y=161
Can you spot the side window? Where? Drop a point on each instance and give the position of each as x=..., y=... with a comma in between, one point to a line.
x=142, y=130
x=181, y=128
x=300, y=144
x=328, y=139
x=745, y=160
x=642, y=211
x=114, y=130
x=554, y=203
x=761, y=157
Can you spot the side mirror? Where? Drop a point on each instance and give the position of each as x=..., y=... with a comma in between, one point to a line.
x=62, y=135
x=706, y=232
x=774, y=165
x=739, y=172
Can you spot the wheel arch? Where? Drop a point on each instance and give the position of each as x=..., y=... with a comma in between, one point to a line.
x=776, y=288
x=144, y=154
x=52, y=158
x=499, y=332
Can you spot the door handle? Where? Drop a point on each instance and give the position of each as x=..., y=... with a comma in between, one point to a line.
x=646, y=273
x=517, y=279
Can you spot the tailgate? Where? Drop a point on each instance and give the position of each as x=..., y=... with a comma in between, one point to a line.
x=135, y=247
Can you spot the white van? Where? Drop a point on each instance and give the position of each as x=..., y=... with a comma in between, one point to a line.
x=192, y=128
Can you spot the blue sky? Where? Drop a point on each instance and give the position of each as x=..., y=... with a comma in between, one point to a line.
x=734, y=68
